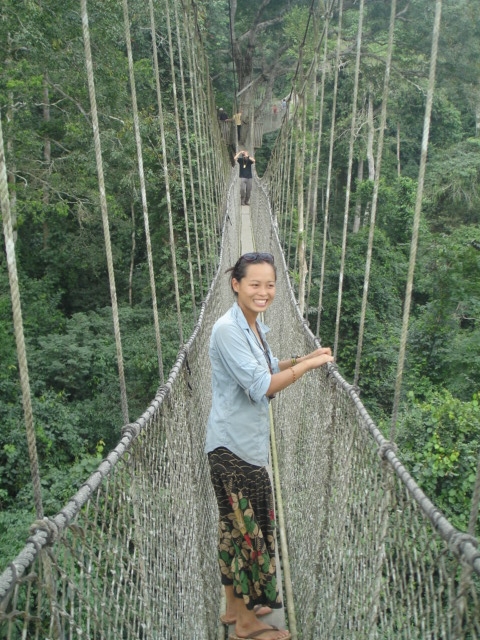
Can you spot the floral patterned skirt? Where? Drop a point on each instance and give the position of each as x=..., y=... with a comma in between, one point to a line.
x=246, y=548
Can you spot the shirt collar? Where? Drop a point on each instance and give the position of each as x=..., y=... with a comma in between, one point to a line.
x=242, y=321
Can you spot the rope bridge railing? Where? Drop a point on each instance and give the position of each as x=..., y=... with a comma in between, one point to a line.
x=132, y=554
x=370, y=555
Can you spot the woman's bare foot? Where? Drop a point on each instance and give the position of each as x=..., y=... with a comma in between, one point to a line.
x=229, y=617
x=262, y=632
x=248, y=625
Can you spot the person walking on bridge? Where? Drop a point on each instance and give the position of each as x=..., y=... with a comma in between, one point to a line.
x=245, y=161
x=237, y=119
x=245, y=378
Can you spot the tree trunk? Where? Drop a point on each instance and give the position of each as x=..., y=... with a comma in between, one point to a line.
x=47, y=157
x=370, y=138
x=358, y=205
x=399, y=168
x=132, y=257
x=370, y=157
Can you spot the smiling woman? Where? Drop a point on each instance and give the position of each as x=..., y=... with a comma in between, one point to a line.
x=245, y=378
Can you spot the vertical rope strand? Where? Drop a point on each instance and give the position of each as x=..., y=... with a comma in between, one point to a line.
x=329, y=171
x=165, y=167
x=289, y=195
x=193, y=191
x=300, y=166
x=173, y=250
x=310, y=217
x=417, y=215
x=179, y=139
x=143, y=190
x=319, y=144
x=349, y=175
x=186, y=119
x=104, y=208
x=199, y=156
x=18, y=330
x=381, y=135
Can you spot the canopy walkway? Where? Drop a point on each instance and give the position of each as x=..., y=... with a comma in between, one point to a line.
x=364, y=552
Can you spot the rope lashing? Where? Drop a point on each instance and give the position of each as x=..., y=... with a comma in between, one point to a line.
x=47, y=525
x=385, y=447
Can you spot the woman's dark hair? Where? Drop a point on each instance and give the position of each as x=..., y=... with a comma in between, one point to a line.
x=239, y=270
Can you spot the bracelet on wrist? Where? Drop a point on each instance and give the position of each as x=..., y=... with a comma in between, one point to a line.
x=294, y=360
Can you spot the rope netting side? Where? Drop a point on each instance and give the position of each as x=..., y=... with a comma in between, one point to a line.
x=370, y=555
x=133, y=553
x=386, y=561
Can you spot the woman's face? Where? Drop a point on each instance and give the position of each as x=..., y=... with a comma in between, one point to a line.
x=256, y=290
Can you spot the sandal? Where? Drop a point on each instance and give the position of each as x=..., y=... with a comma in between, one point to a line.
x=257, y=634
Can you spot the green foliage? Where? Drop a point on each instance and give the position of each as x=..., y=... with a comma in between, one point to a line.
x=444, y=339
x=14, y=530
x=395, y=207
x=387, y=278
x=439, y=439
x=453, y=186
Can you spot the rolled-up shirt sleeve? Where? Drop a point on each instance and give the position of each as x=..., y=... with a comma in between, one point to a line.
x=232, y=348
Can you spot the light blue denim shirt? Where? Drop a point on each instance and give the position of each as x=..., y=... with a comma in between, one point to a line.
x=239, y=418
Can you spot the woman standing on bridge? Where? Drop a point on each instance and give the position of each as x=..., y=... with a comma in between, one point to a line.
x=245, y=377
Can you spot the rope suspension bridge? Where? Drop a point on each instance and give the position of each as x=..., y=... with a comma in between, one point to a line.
x=364, y=552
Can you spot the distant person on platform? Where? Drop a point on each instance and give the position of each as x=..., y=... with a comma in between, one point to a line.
x=245, y=161
x=222, y=115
